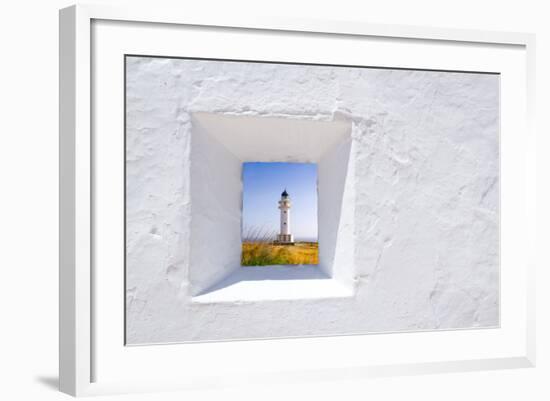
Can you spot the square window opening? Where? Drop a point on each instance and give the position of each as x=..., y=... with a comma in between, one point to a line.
x=279, y=214
x=223, y=145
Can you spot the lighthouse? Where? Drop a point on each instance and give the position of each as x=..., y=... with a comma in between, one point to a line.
x=285, y=237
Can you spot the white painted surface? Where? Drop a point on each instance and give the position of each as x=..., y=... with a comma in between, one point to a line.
x=274, y=283
x=417, y=238
x=214, y=214
x=336, y=205
x=270, y=136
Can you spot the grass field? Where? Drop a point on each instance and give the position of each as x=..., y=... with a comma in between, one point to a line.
x=265, y=253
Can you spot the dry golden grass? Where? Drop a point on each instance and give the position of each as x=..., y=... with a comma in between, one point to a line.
x=262, y=254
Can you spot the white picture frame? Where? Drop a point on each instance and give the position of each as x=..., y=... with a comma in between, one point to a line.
x=82, y=345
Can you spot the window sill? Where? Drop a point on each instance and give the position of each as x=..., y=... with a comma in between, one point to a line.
x=274, y=283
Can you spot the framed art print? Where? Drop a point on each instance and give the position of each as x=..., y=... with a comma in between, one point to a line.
x=355, y=196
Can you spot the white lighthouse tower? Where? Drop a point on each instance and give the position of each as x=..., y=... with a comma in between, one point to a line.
x=285, y=237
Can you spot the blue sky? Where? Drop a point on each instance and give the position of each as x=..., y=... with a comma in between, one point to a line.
x=262, y=187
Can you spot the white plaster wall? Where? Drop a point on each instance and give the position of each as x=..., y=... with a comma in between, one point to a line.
x=425, y=185
x=335, y=213
x=215, y=243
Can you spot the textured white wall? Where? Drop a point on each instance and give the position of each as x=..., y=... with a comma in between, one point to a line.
x=336, y=205
x=425, y=183
x=215, y=245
